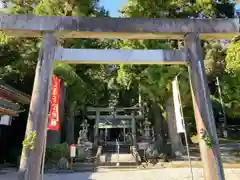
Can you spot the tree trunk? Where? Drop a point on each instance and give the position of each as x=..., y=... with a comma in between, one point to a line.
x=176, y=142
x=70, y=124
x=158, y=120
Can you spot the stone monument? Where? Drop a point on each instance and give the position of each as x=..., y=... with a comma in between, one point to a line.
x=83, y=137
x=84, y=146
x=83, y=132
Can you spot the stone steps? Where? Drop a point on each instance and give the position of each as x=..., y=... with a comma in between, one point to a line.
x=114, y=167
x=113, y=149
x=112, y=159
x=81, y=167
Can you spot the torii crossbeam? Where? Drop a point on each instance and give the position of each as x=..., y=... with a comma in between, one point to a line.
x=123, y=28
x=108, y=56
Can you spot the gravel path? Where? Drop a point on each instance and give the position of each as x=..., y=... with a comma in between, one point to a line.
x=156, y=174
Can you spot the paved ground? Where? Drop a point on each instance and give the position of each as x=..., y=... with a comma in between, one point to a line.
x=156, y=174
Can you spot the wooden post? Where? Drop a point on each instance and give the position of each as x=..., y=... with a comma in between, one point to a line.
x=105, y=136
x=134, y=128
x=140, y=112
x=124, y=134
x=32, y=153
x=204, y=118
x=96, y=127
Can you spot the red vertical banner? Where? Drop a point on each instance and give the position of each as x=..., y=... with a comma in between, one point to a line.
x=54, y=122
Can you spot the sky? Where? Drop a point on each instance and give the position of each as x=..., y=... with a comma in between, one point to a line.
x=238, y=6
x=113, y=6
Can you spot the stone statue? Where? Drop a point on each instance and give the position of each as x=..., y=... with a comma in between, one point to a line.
x=84, y=126
x=83, y=132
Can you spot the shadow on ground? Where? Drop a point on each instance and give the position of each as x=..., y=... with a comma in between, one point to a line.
x=58, y=176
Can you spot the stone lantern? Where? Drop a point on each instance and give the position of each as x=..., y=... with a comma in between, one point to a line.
x=147, y=128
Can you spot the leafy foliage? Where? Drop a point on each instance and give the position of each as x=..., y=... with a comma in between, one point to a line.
x=28, y=142
x=215, y=63
x=233, y=56
x=231, y=80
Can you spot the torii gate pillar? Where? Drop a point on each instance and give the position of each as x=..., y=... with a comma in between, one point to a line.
x=96, y=128
x=31, y=157
x=204, y=118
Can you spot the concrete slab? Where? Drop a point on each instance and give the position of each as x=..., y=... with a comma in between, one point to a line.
x=154, y=174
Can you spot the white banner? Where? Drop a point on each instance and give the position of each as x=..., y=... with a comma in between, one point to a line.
x=177, y=107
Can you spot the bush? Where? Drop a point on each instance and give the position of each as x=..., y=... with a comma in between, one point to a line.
x=81, y=154
x=55, y=153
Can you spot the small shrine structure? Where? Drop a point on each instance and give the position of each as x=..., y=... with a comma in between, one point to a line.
x=114, y=123
x=11, y=105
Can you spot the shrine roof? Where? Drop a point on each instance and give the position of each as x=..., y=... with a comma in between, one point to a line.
x=9, y=108
x=104, y=123
x=11, y=100
x=9, y=93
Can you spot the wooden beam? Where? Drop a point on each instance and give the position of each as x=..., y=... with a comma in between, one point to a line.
x=205, y=122
x=123, y=117
x=108, y=109
x=123, y=28
x=5, y=103
x=101, y=109
x=114, y=56
x=113, y=126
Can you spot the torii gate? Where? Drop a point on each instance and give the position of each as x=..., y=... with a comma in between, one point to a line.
x=51, y=28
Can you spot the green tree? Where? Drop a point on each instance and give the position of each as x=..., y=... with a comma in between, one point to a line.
x=103, y=85
x=231, y=81
x=215, y=63
x=159, y=86
x=19, y=71
x=233, y=56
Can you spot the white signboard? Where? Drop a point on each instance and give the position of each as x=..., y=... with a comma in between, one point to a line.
x=177, y=107
x=72, y=151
